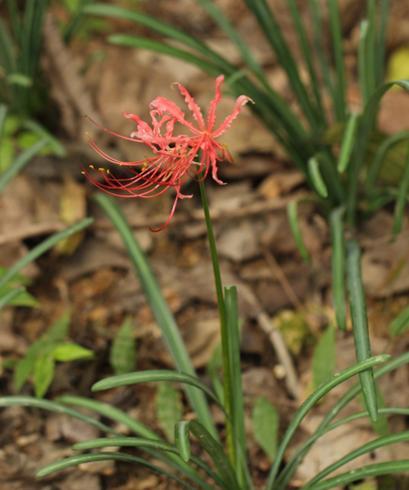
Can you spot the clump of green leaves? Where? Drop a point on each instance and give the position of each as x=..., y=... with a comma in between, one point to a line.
x=20, y=48
x=38, y=364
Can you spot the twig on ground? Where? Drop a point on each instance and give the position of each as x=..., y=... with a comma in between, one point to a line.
x=284, y=357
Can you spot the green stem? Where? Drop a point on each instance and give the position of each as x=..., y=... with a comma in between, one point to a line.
x=227, y=378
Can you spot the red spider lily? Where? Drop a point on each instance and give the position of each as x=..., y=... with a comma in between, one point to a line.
x=174, y=157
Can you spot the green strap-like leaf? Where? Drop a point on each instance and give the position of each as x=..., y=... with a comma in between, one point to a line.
x=27, y=401
x=338, y=266
x=108, y=456
x=348, y=142
x=152, y=376
x=360, y=325
x=336, y=32
x=401, y=200
x=112, y=413
x=296, y=231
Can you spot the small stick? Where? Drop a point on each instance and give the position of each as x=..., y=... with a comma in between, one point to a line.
x=276, y=339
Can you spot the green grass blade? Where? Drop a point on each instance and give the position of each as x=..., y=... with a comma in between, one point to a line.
x=316, y=177
x=381, y=41
x=159, y=307
x=161, y=47
x=3, y=114
x=153, y=376
x=107, y=456
x=324, y=426
x=360, y=325
x=338, y=266
x=371, y=46
x=306, y=51
x=182, y=440
x=7, y=54
x=348, y=142
x=239, y=436
x=363, y=70
x=296, y=231
x=373, y=470
x=401, y=199
x=21, y=161
x=336, y=380
x=369, y=447
x=274, y=36
x=223, y=22
x=122, y=441
x=319, y=47
x=42, y=248
x=335, y=28
x=50, y=406
x=112, y=413
x=331, y=177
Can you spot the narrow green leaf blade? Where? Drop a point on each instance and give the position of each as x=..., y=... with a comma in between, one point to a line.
x=360, y=325
x=121, y=441
x=182, y=439
x=401, y=201
x=292, y=214
x=348, y=142
x=51, y=406
x=338, y=266
x=316, y=177
x=154, y=376
x=106, y=456
x=110, y=412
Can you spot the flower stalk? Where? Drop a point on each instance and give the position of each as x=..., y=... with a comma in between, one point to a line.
x=227, y=375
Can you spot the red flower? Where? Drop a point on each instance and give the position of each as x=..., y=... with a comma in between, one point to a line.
x=174, y=157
